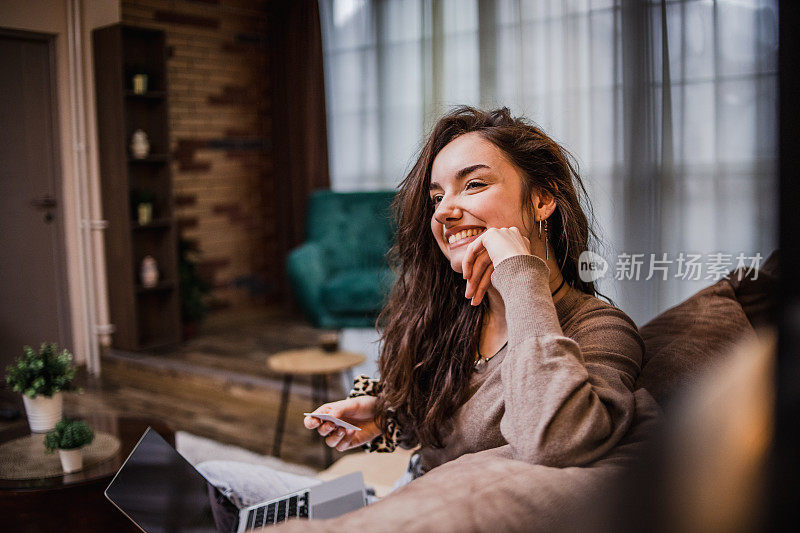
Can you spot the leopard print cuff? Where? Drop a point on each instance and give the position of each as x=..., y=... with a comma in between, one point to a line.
x=364, y=385
x=386, y=443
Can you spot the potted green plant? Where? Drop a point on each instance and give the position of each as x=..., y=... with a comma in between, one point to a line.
x=41, y=377
x=194, y=290
x=68, y=437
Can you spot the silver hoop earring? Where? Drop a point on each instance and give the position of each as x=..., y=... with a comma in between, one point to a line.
x=540, y=228
x=546, y=248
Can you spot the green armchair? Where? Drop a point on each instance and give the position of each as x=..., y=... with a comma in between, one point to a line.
x=340, y=275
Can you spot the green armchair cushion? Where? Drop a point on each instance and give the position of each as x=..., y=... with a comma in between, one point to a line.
x=354, y=229
x=340, y=276
x=307, y=270
x=359, y=290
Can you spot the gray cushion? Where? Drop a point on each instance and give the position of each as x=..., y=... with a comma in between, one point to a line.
x=683, y=341
x=758, y=296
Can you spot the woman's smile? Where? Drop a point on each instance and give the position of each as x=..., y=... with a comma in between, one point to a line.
x=464, y=236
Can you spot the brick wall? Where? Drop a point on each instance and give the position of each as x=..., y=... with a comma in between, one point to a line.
x=219, y=127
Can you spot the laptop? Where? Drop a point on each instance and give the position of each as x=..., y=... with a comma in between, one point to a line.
x=160, y=491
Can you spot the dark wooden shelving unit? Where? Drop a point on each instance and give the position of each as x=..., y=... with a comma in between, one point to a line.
x=158, y=223
x=144, y=318
x=157, y=159
x=165, y=285
x=149, y=95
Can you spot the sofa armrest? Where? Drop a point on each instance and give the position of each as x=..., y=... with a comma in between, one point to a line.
x=487, y=492
x=307, y=273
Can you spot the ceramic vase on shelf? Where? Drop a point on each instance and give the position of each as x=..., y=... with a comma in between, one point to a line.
x=43, y=412
x=140, y=144
x=149, y=272
x=71, y=460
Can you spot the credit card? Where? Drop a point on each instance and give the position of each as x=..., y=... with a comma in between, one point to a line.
x=336, y=421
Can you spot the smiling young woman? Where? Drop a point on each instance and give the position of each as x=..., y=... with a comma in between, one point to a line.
x=492, y=343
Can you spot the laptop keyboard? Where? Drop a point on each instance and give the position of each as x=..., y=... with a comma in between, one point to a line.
x=295, y=506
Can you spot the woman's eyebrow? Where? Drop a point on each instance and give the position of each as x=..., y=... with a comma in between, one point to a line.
x=460, y=175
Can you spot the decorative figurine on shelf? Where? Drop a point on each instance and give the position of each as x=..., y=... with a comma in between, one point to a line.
x=149, y=272
x=140, y=144
x=139, y=83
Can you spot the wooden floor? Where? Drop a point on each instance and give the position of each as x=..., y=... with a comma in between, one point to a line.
x=215, y=386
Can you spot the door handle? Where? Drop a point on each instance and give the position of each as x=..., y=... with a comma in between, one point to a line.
x=44, y=203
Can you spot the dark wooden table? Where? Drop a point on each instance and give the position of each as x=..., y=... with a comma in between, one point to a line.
x=73, y=502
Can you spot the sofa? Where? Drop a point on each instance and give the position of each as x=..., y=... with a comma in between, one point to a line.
x=339, y=275
x=689, y=349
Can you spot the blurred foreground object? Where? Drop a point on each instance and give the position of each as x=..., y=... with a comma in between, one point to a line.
x=718, y=442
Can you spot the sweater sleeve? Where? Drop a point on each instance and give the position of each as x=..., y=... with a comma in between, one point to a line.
x=567, y=400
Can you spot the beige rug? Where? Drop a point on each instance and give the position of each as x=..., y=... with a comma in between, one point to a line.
x=380, y=470
x=198, y=449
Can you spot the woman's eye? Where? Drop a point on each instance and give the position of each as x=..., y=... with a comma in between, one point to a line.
x=475, y=183
x=436, y=199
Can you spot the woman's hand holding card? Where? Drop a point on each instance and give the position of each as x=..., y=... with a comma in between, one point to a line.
x=359, y=411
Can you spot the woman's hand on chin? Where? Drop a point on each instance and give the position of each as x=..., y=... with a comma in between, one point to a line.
x=359, y=411
x=490, y=249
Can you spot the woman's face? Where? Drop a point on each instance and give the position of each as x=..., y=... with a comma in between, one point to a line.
x=473, y=187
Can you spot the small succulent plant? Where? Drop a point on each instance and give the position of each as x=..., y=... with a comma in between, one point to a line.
x=68, y=435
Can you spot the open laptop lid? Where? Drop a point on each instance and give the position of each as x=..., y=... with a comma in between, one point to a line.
x=159, y=490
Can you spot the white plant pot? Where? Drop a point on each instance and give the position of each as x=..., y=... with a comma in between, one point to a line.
x=71, y=460
x=43, y=412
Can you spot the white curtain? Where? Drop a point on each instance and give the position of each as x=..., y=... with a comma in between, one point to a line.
x=668, y=106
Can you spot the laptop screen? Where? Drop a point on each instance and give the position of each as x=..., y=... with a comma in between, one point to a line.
x=159, y=490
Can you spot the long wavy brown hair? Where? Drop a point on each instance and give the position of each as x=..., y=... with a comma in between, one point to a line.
x=430, y=332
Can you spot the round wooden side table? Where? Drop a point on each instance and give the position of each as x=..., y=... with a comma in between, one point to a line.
x=317, y=364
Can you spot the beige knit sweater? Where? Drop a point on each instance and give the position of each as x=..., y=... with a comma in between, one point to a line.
x=561, y=392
